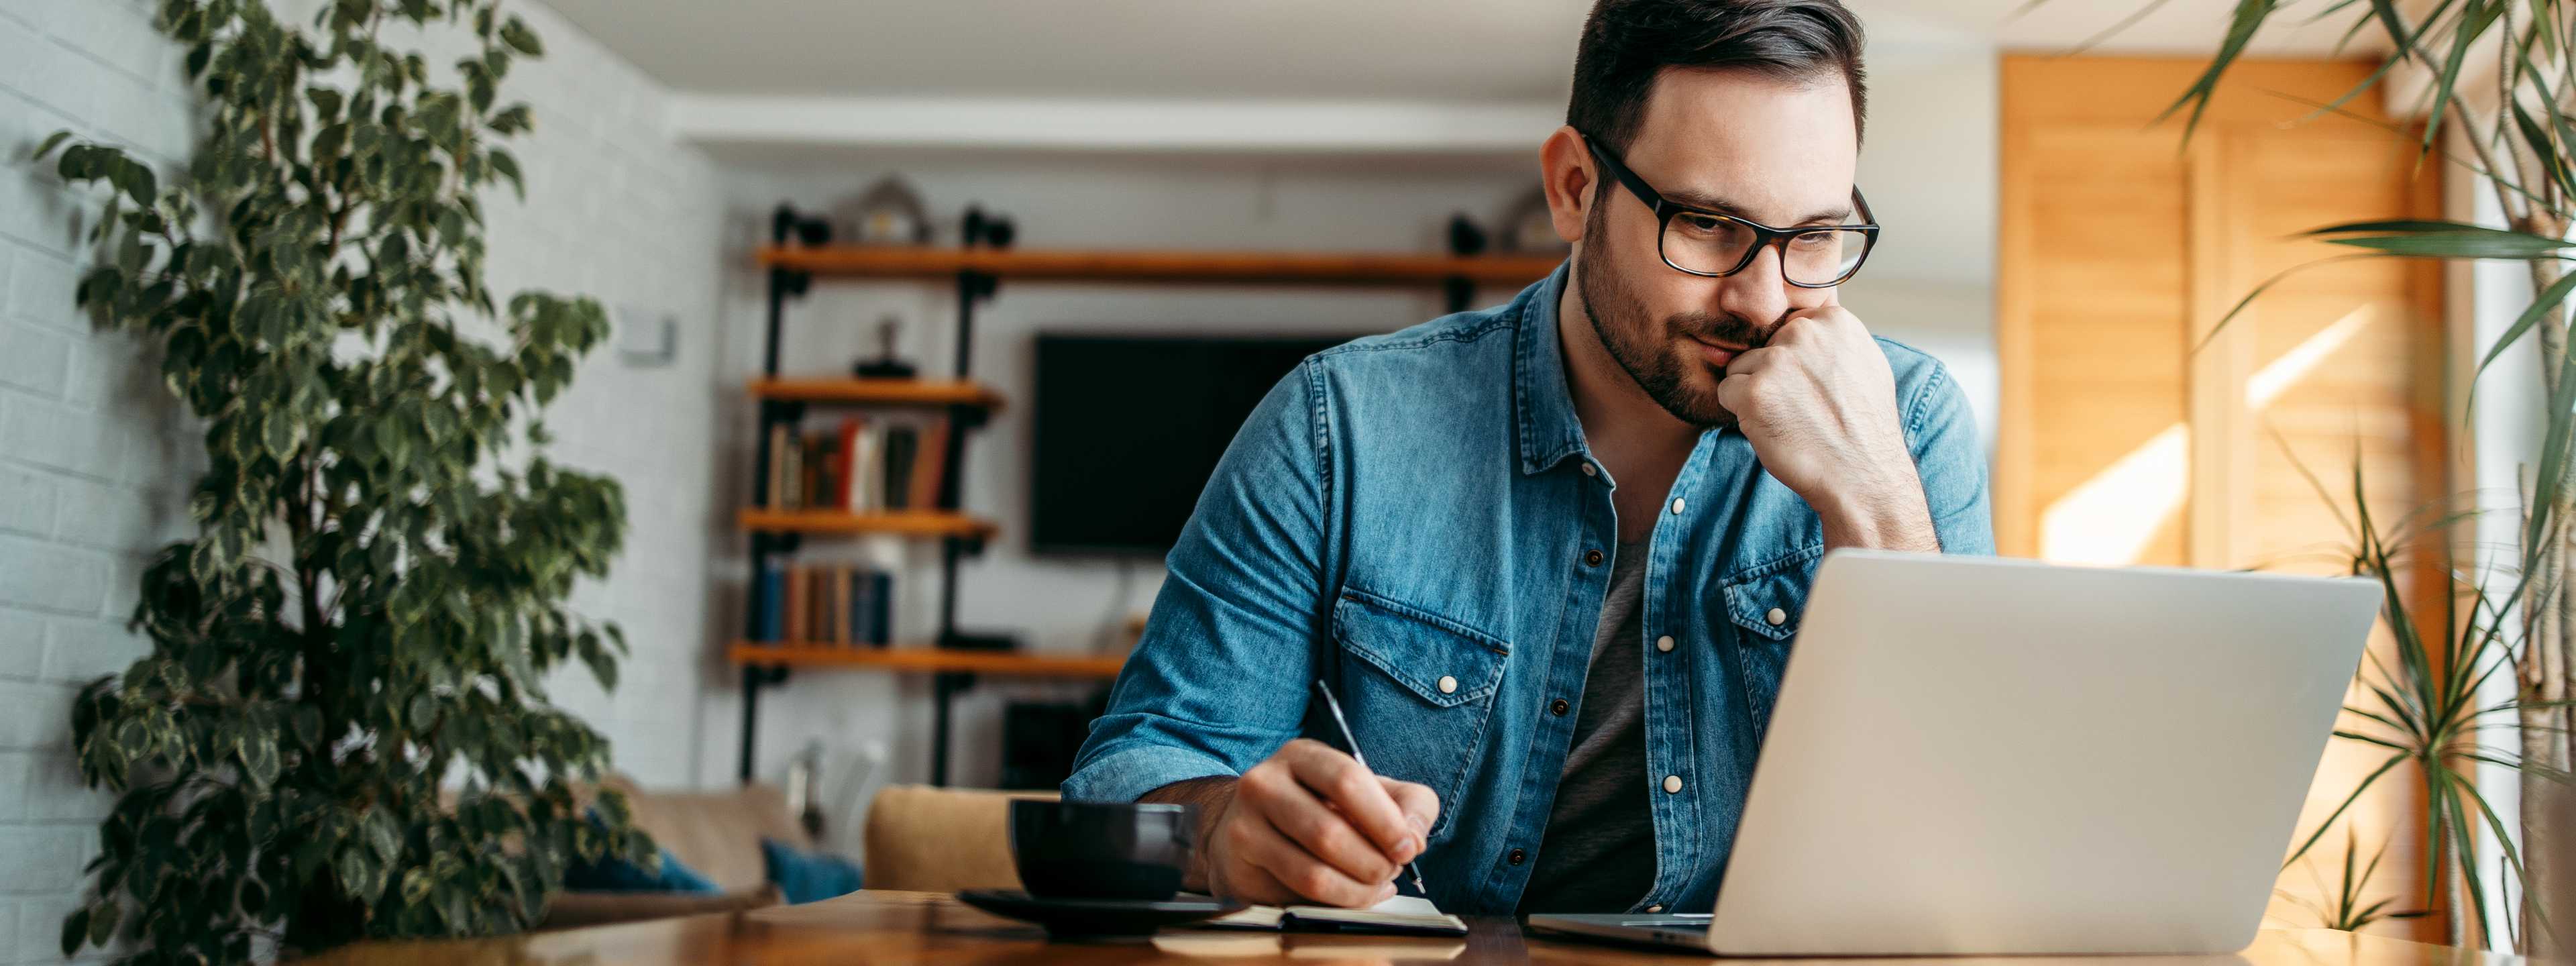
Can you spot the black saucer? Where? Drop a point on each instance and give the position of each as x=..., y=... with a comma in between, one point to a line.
x=1094, y=918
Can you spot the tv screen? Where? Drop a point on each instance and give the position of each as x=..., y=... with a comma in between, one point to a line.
x=1129, y=427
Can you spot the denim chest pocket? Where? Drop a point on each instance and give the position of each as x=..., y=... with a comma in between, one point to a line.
x=1420, y=705
x=1766, y=603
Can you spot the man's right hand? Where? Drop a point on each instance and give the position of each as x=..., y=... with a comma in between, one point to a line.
x=1311, y=824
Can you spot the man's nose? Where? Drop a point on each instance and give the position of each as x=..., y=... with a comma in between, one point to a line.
x=1758, y=292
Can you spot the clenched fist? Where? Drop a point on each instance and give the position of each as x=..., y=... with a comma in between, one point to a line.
x=1818, y=403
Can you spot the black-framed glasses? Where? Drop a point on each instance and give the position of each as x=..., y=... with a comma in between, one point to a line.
x=1714, y=245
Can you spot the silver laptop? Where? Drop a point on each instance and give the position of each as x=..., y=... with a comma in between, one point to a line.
x=1979, y=756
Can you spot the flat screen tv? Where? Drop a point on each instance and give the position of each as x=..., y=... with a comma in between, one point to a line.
x=1129, y=427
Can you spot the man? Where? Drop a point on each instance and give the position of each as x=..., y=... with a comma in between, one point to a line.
x=1551, y=555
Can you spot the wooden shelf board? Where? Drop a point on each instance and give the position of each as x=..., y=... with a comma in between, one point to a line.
x=884, y=392
x=925, y=659
x=1319, y=268
x=927, y=523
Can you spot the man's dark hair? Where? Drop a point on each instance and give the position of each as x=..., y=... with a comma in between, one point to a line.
x=1627, y=43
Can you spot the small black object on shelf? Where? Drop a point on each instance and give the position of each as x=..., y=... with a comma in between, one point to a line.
x=1465, y=236
x=786, y=225
x=987, y=230
x=885, y=365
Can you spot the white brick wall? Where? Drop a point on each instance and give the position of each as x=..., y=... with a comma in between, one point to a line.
x=95, y=461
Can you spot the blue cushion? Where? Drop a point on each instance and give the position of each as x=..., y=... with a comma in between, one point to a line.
x=613, y=874
x=609, y=873
x=808, y=876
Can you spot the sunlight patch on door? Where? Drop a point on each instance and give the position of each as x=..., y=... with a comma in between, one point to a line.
x=2110, y=518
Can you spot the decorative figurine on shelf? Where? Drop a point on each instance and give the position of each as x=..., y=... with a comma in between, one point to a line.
x=1527, y=229
x=889, y=212
x=885, y=365
x=995, y=231
x=1466, y=238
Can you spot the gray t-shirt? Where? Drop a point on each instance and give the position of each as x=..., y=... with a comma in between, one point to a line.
x=1598, y=853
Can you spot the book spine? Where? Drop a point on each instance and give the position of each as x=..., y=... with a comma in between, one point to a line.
x=928, y=465
x=869, y=473
x=769, y=596
x=840, y=581
x=828, y=471
x=818, y=606
x=846, y=492
x=800, y=609
x=791, y=475
x=810, y=482
x=881, y=599
x=860, y=607
x=901, y=446
x=774, y=490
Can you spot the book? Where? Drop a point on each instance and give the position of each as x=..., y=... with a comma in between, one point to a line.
x=902, y=446
x=846, y=490
x=791, y=474
x=1401, y=914
x=929, y=466
x=818, y=605
x=867, y=469
x=809, y=474
x=827, y=471
x=800, y=605
x=840, y=580
x=881, y=608
x=773, y=490
x=769, y=594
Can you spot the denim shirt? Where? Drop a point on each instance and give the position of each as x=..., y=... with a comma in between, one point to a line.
x=1408, y=516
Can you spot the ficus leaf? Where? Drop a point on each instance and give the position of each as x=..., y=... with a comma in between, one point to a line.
x=75, y=931
x=516, y=34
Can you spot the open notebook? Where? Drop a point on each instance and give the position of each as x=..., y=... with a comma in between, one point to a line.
x=1402, y=914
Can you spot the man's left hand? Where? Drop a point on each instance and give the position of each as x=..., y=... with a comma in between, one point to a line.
x=1818, y=403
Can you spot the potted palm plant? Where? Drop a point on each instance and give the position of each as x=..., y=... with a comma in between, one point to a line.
x=2494, y=80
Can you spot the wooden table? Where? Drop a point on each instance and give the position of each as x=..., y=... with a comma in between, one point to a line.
x=894, y=928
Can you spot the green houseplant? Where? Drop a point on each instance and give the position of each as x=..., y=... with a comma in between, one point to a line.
x=341, y=730
x=2512, y=620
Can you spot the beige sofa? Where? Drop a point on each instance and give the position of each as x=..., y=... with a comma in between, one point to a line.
x=716, y=834
x=918, y=838
x=928, y=839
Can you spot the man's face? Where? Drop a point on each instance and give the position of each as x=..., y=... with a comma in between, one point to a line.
x=1776, y=152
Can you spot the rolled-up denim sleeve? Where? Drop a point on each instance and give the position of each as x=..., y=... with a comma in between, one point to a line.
x=1218, y=681
x=1951, y=460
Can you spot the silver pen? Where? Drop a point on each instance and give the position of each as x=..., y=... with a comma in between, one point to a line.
x=1354, y=745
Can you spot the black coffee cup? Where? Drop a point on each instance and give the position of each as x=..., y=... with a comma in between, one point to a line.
x=1102, y=850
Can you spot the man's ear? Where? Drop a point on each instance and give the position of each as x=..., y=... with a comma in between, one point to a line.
x=1567, y=173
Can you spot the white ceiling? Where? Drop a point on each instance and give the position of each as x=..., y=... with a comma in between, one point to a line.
x=1481, y=50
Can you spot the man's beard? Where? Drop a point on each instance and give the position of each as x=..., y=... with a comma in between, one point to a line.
x=1652, y=352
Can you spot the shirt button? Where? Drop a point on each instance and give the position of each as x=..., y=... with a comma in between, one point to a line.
x=1673, y=784
x=1776, y=617
x=1517, y=857
x=1657, y=907
x=1448, y=685
x=1664, y=643
x=1677, y=506
x=1558, y=707
x=1590, y=470
x=1592, y=558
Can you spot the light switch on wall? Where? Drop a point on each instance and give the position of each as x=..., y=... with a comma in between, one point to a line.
x=646, y=337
